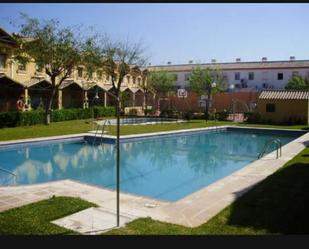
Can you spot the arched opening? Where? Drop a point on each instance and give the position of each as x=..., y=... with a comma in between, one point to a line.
x=10, y=92
x=39, y=94
x=72, y=96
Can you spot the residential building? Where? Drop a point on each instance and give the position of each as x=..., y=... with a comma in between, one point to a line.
x=33, y=83
x=282, y=106
x=244, y=76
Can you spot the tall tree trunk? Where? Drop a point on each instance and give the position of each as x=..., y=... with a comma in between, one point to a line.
x=144, y=106
x=49, y=103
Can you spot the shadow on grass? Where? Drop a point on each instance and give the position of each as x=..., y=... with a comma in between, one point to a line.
x=279, y=204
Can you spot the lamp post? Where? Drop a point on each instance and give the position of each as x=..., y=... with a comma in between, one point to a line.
x=232, y=86
x=213, y=85
x=96, y=97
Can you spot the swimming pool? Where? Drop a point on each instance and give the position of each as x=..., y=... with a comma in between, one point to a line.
x=166, y=167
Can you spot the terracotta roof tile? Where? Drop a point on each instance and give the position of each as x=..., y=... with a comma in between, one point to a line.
x=284, y=94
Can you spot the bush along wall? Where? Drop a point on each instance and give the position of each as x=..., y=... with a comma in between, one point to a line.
x=12, y=119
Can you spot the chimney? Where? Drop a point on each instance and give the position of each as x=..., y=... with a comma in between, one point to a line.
x=213, y=60
x=292, y=58
x=238, y=60
x=190, y=61
x=169, y=63
x=264, y=58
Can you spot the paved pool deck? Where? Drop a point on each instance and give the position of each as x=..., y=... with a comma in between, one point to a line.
x=191, y=211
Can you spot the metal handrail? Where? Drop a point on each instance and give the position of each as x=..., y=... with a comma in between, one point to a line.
x=103, y=129
x=278, y=147
x=11, y=173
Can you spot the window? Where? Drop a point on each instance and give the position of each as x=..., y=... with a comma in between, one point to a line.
x=139, y=81
x=39, y=68
x=2, y=60
x=237, y=76
x=128, y=79
x=99, y=74
x=187, y=76
x=134, y=79
x=22, y=66
x=251, y=76
x=270, y=107
x=280, y=76
x=265, y=85
x=80, y=72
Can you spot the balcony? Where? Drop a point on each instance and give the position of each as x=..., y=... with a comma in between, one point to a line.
x=3, y=70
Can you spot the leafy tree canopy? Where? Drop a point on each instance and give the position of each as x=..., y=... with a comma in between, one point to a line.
x=202, y=81
x=298, y=83
x=161, y=82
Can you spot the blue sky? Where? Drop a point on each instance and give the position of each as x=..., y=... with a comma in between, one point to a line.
x=182, y=32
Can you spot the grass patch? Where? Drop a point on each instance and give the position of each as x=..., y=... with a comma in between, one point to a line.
x=277, y=205
x=81, y=126
x=35, y=218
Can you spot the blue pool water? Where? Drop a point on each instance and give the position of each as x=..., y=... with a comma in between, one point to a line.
x=162, y=167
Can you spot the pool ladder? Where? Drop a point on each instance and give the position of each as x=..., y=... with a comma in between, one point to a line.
x=278, y=148
x=10, y=173
x=102, y=131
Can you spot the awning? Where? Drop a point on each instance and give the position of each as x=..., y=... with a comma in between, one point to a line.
x=37, y=80
x=135, y=89
x=3, y=76
x=123, y=88
x=40, y=85
x=67, y=83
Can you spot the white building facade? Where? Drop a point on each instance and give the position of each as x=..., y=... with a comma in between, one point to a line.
x=245, y=76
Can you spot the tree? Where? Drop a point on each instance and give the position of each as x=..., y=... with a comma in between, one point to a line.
x=297, y=82
x=161, y=83
x=58, y=50
x=206, y=82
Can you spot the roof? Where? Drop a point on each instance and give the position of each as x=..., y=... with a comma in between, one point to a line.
x=236, y=65
x=284, y=94
x=6, y=37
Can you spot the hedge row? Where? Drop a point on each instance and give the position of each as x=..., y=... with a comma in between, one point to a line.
x=12, y=119
x=256, y=118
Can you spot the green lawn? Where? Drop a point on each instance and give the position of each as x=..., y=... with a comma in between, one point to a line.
x=277, y=205
x=80, y=126
x=35, y=218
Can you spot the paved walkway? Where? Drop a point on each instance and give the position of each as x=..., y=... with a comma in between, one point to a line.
x=191, y=211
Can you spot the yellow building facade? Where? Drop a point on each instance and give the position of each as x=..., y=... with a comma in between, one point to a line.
x=31, y=82
x=284, y=106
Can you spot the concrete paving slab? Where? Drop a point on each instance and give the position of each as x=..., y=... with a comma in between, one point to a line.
x=92, y=221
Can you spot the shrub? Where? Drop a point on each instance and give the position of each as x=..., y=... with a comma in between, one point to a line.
x=167, y=113
x=188, y=115
x=100, y=111
x=222, y=116
x=12, y=119
x=198, y=115
x=133, y=112
x=253, y=117
x=9, y=119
